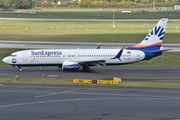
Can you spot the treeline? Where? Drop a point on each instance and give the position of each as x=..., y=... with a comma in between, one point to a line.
x=124, y=3
x=17, y=4
x=28, y=4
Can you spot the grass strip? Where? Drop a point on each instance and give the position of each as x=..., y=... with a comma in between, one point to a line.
x=26, y=80
x=69, y=81
x=153, y=84
x=124, y=32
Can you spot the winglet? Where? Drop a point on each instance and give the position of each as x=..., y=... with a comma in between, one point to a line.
x=119, y=53
x=99, y=45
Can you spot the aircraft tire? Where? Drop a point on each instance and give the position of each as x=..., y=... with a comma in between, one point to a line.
x=88, y=69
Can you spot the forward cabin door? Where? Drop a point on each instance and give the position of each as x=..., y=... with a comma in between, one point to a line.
x=78, y=56
x=24, y=54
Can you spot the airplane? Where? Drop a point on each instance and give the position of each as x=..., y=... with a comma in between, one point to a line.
x=75, y=59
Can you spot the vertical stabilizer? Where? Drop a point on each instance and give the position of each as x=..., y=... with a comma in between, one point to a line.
x=155, y=36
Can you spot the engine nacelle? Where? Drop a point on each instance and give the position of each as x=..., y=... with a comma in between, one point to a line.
x=69, y=65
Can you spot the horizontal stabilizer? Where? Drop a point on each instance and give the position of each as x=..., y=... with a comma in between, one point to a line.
x=158, y=51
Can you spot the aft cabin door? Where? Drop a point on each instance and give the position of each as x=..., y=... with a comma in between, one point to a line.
x=78, y=56
x=24, y=56
x=138, y=56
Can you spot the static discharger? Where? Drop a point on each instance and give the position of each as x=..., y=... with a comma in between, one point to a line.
x=115, y=81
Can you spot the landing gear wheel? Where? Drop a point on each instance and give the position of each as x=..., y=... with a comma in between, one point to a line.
x=86, y=69
x=20, y=70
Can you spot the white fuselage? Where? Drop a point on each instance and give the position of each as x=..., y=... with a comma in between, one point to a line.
x=58, y=56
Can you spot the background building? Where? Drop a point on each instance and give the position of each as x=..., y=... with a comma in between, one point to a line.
x=177, y=7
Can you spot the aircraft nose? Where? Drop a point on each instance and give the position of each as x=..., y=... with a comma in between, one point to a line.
x=6, y=60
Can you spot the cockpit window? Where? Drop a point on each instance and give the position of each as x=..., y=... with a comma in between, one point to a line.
x=13, y=55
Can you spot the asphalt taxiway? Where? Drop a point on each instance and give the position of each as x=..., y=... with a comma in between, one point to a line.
x=44, y=102
x=96, y=73
x=72, y=45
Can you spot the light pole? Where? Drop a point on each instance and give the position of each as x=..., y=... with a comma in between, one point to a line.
x=154, y=5
x=113, y=20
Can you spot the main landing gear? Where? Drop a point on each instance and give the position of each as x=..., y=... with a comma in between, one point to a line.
x=86, y=68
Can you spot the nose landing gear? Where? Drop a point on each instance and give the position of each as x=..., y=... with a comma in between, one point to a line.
x=19, y=67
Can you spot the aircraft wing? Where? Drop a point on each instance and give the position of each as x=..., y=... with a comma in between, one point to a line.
x=93, y=62
x=99, y=45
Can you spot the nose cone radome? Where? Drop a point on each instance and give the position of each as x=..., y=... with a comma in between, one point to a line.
x=6, y=60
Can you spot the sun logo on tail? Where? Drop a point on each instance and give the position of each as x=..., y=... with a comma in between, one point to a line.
x=156, y=33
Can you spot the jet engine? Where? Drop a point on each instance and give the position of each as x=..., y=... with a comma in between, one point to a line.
x=70, y=65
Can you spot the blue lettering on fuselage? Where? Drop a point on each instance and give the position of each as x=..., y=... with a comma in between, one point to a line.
x=46, y=53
